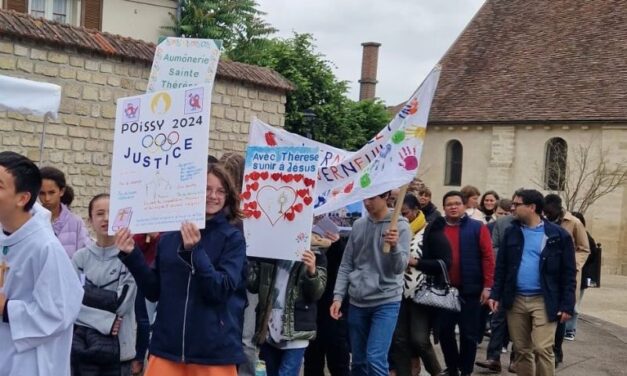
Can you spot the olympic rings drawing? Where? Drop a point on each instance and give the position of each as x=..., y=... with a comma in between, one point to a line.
x=147, y=137
x=160, y=141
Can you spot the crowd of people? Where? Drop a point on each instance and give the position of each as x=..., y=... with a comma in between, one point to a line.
x=191, y=302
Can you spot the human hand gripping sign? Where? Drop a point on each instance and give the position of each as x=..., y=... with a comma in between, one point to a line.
x=309, y=259
x=124, y=240
x=190, y=234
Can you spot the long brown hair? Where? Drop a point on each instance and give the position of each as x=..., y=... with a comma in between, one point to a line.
x=234, y=164
x=231, y=201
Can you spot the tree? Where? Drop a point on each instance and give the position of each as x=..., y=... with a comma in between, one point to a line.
x=235, y=22
x=339, y=121
x=584, y=178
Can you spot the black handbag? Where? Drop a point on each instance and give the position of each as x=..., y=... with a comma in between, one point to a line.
x=436, y=295
x=88, y=344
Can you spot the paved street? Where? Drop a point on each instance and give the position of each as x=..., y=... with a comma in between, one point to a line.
x=601, y=345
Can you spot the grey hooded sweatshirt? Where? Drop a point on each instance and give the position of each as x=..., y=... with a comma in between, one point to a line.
x=369, y=276
x=101, y=266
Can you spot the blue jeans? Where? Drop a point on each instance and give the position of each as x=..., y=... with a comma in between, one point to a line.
x=370, y=331
x=282, y=362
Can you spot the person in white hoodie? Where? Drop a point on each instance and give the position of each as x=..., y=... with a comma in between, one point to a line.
x=40, y=296
x=104, y=340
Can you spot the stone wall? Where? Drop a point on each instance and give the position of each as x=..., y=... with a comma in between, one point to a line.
x=80, y=141
x=505, y=158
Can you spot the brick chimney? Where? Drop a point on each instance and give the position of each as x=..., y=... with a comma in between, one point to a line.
x=369, y=62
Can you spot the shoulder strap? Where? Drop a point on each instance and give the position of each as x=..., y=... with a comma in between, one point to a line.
x=444, y=271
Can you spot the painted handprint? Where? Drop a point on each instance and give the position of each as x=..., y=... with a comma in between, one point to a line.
x=409, y=160
x=409, y=109
x=416, y=131
x=379, y=163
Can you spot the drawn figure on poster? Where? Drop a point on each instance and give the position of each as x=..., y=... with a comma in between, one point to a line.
x=158, y=188
x=122, y=218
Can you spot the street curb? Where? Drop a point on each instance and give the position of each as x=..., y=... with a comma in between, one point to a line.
x=614, y=330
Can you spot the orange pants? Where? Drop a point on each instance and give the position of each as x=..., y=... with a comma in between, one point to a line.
x=162, y=367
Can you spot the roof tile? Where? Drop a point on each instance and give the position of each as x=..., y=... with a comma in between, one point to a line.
x=24, y=26
x=544, y=60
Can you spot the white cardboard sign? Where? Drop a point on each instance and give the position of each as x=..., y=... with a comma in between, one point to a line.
x=184, y=62
x=159, y=166
x=277, y=199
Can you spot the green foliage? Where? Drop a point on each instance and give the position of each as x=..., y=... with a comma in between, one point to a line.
x=339, y=121
x=235, y=22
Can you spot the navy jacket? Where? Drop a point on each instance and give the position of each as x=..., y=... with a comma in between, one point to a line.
x=557, y=269
x=471, y=269
x=201, y=294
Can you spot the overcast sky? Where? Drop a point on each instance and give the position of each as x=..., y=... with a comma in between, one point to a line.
x=414, y=35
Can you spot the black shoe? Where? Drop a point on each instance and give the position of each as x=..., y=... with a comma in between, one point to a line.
x=490, y=364
x=446, y=372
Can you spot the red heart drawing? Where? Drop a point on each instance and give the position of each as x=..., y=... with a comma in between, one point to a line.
x=273, y=202
x=264, y=175
x=254, y=175
x=246, y=177
x=309, y=182
x=298, y=208
x=290, y=216
x=298, y=177
x=276, y=176
x=287, y=178
x=307, y=200
x=256, y=214
x=302, y=192
x=245, y=195
x=252, y=205
x=254, y=186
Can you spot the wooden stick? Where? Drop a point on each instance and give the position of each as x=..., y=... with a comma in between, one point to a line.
x=396, y=214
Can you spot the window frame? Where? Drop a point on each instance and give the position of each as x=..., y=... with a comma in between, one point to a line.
x=551, y=181
x=453, y=169
x=49, y=10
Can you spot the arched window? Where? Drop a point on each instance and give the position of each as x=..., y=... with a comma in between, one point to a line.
x=454, y=159
x=555, y=164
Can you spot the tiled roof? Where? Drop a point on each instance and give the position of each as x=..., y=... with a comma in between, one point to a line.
x=24, y=26
x=541, y=60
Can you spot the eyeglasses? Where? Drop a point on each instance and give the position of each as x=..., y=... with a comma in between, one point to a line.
x=452, y=204
x=217, y=192
x=517, y=204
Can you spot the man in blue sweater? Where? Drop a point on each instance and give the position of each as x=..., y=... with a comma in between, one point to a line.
x=534, y=282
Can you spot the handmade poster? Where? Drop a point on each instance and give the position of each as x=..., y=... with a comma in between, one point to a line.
x=184, y=62
x=277, y=200
x=159, y=166
x=389, y=160
x=262, y=134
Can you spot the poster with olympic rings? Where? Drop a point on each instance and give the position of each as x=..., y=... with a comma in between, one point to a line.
x=159, y=166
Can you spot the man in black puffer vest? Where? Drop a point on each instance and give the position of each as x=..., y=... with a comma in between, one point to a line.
x=471, y=272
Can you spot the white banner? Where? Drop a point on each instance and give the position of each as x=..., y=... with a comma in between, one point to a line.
x=277, y=199
x=387, y=161
x=262, y=134
x=159, y=166
x=184, y=62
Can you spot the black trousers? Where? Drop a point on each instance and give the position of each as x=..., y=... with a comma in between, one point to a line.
x=461, y=358
x=89, y=369
x=330, y=347
x=500, y=335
